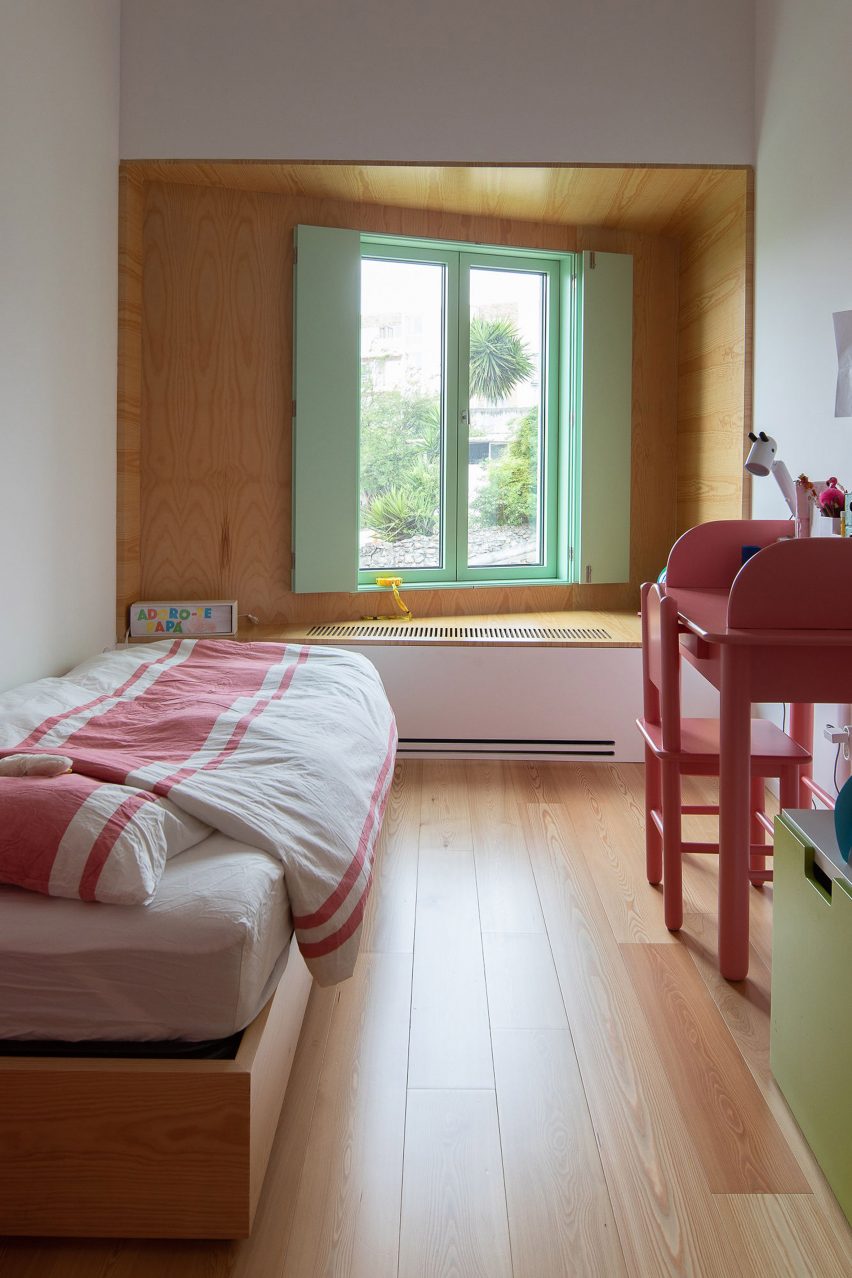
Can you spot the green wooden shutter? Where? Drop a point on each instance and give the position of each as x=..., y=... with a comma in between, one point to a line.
x=605, y=365
x=326, y=395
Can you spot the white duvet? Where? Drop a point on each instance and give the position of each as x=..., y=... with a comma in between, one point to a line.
x=288, y=749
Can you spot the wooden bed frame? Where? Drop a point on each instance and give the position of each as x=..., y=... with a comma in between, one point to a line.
x=147, y=1148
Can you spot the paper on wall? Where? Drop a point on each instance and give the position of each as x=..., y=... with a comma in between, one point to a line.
x=843, y=338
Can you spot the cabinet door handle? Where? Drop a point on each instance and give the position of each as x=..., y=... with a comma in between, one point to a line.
x=817, y=877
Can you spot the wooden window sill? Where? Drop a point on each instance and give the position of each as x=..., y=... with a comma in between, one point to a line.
x=502, y=630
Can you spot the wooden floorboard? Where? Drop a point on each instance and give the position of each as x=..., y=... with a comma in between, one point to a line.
x=736, y=1139
x=454, y=1205
x=508, y=897
x=793, y=1230
x=346, y=1219
x=389, y=924
x=611, y=838
x=560, y=1215
x=528, y=1075
x=667, y=1221
x=450, y=1040
x=523, y=989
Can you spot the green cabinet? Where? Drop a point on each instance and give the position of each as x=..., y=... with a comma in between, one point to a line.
x=811, y=1037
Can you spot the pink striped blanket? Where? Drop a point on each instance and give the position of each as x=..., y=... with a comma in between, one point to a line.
x=290, y=749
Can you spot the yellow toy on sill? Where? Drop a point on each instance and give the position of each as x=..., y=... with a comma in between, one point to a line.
x=393, y=583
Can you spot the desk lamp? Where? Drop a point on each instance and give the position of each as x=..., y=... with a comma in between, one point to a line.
x=761, y=460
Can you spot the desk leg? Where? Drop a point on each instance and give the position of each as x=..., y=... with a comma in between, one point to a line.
x=734, y=816
x=802, y=730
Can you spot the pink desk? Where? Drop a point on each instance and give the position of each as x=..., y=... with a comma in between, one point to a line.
x=778, y=628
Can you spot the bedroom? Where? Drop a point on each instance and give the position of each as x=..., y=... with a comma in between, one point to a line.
x=216, y=82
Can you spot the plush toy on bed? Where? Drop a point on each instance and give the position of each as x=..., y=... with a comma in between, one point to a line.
x=35, y=765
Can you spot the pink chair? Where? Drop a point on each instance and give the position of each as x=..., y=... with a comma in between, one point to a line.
x=676, y=747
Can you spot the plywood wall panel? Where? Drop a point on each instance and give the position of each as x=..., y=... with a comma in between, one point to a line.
x=714, y=361
x=215, y=457
x=671, y=200
x=131, y=206
x=217, y=352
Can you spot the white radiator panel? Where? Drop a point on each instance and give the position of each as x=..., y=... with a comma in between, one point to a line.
x=468, y=701
x=514, y=702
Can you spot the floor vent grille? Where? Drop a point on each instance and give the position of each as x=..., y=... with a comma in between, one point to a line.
x=424, y=631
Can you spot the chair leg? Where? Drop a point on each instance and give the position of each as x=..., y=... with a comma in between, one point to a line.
x=653, y=800
x=758, y=834
x=672, y=854
x=790, y=792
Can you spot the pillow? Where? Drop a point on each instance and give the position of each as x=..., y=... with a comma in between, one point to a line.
x=75, y=837
x=24, y=708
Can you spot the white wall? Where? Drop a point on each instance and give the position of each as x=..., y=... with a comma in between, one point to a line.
x=803, y=244
x=662, y=81
x=58, y=247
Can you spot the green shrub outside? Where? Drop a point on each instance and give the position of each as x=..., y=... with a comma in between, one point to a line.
x=400, y=445
x=509, y=496
x=400, y=462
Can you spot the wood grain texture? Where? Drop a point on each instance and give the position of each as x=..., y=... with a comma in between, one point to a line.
x=131, y=209
x=787, y=1236
x=346, y=1220
x=215, y=452
x=745, y=1008
x=666, y=1218
x=663, y=200
x=624, y=630
x=262, y=1254
x=454, y=1206
x=714, y=361
x=267, y=1050
x=164, y=1149
x=450, y=1043
x=536, y=782
x=523, y=991
x=594, y=1152
x=736, y=1138
x=445, y=805
x=610, y=829
x=560, y=1215
x=505, y=886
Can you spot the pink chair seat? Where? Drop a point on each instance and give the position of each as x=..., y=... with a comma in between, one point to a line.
x=769, y=745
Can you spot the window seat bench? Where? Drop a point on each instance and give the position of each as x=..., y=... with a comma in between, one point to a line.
x=567, y=629
x=545, y=685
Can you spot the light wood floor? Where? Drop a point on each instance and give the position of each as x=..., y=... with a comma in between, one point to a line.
x=527, y=1074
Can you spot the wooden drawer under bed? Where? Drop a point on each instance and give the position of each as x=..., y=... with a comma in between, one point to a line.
x=147, y=1148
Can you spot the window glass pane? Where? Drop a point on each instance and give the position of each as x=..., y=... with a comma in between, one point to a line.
x=402, y=429
x=507, y=343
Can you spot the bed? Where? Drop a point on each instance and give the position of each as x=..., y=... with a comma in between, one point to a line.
x=145, y=1048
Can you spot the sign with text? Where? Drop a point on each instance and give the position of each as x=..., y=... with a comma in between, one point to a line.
x=156, y=619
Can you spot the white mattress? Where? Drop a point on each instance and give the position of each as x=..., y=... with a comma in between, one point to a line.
x=199, y=962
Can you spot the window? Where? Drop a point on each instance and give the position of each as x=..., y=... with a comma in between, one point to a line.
x=461, y=414
x=458, y=426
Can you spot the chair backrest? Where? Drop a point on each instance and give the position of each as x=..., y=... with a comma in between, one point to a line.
x=661, y=663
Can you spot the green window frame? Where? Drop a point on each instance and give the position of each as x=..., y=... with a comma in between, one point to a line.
x=587, y=412
x=383, y=249
x=458, y=264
